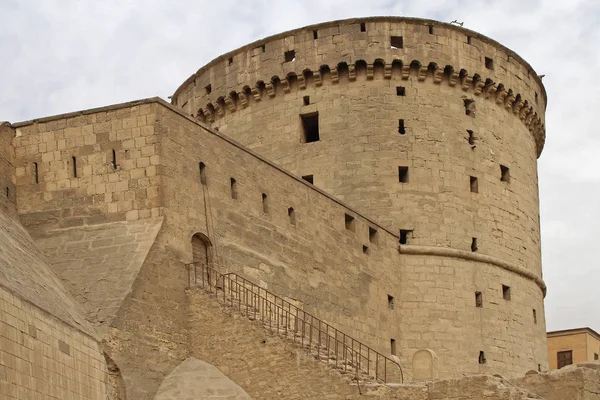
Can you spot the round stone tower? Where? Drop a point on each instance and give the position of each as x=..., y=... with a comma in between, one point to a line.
x=431, y=129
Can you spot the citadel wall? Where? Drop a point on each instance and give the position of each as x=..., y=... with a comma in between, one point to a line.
x=320, y=264
x=47, y=348
x=343, y=276
x=42, y=357
x=351, y=73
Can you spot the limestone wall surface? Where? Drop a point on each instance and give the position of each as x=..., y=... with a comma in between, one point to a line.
x=301, y=243
x=41, y=357
x=99, y=263
x=337, y=270
x=382, y=108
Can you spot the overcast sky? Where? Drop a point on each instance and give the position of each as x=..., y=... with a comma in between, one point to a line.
x=68, y=55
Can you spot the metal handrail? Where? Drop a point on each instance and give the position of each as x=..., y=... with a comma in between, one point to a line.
x=331, y=344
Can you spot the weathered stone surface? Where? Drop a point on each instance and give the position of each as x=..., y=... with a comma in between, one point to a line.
x=25, y=273
x=195, y=379
x=573, y=382
x=99, y=263
x=90, y=187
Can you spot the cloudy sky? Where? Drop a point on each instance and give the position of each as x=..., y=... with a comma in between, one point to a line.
x=67, y=55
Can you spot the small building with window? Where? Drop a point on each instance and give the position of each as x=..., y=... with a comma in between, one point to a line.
x=572, y=346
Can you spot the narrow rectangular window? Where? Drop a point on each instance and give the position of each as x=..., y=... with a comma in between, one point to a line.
x=403, y=174
x=482, y=359
x=539, y=367
x=489, y=63
x=74, y=161
x=208, y=88
x=310, y=125
x=404, y=235
x=595, y=356
x=504, y=173
x=349, y=222
x=373, y=235
x=306, y=100
x=390, y=302
x=564, y=358
x=401, y=129
x=7, y=192
x=534, y=316
x=431, y=29
x=309, y=178
x=506, y=292
x=400, y=91
x=396, y=42
x=536, y=98
x=474, y=184
x=263, y=48
x=35, y=173
x=265, y=206
x=393, y=346
x=230, y=61
x=365, y=249
x=114, y=159
x=363, y=27
x=478, y=300
x=474, y=245
x=290, y=55
x=292, y=215
x=202, y=167
x=471, y=138
x=315, y=35
x=468, y=39
x=233, y=184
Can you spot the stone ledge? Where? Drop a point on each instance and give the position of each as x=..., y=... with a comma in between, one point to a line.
x=466, y=255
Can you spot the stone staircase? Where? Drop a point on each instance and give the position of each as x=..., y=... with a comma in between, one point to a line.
x=361, y=364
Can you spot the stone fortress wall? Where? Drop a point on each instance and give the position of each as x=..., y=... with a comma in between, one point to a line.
x=351, y=78
x=342, y=271
x=147, y=178
x=461, y=115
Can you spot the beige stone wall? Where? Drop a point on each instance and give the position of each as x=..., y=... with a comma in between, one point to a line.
x=322, y=266
x=43, y=358
x=360, y=149
x=336, y=273
x=100, y=192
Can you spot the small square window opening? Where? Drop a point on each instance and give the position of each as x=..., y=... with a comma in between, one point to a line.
x=349, y=222
x=478, y=300
x=489, y=63
x=309, y=179
x=373, y=237
x=504, y=173
x=290, y=55
x=396, y=42
x=474, y=184
x=506, y=292
x=310, y=126
x=403, y=174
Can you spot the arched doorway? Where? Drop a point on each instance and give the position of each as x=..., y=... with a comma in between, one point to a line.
x=201, y=258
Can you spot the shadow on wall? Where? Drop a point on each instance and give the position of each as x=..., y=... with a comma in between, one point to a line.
x=115, y=387
x=196, y=379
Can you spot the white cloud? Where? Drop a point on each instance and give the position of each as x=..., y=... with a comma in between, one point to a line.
x=66, y=55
